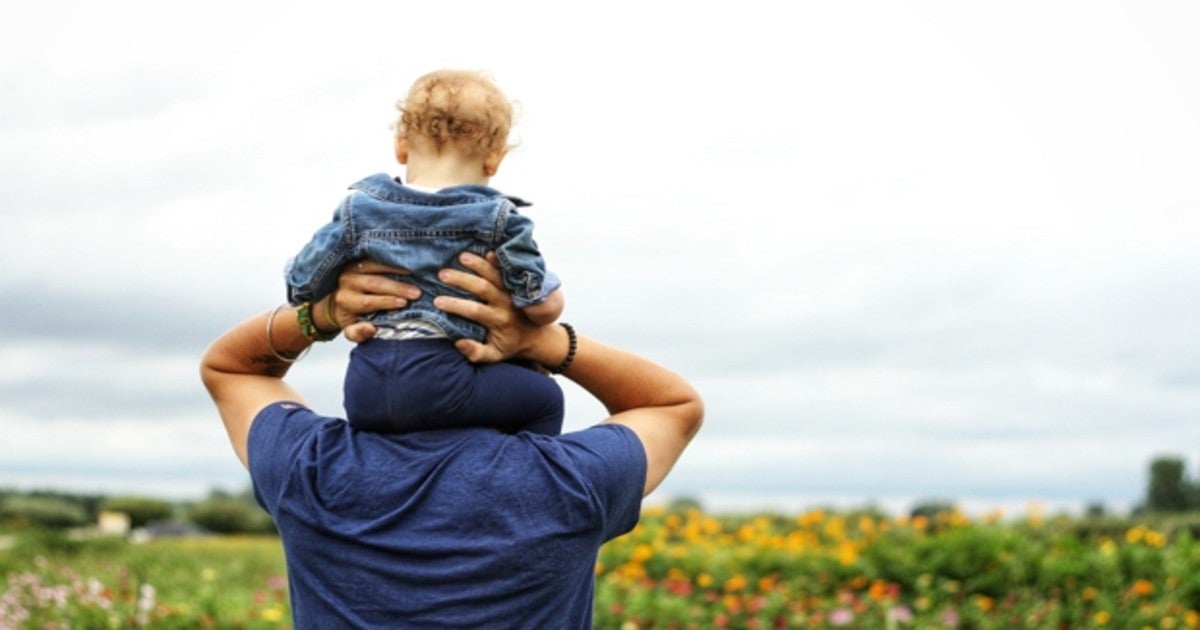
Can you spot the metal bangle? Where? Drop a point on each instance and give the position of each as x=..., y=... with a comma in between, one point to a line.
x=271, y=342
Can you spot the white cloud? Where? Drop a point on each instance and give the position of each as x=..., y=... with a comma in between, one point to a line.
x=862, y=229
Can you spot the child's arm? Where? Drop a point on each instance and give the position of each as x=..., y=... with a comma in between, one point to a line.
x=313, y=273
x=547, y=311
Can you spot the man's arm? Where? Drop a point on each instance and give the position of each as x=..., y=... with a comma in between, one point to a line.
x=661, y=408
x=243, y=370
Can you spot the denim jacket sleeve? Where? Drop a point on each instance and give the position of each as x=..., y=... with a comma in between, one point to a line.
x=521, y=263
x=312, y=274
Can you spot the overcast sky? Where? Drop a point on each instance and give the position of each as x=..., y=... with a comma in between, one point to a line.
x=905, y=250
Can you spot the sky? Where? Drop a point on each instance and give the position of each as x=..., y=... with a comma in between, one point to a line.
x=905, y=251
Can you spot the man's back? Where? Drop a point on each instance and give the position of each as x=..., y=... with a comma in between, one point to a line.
x=454, y=528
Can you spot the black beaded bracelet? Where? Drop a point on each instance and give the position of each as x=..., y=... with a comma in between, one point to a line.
x=572, y=343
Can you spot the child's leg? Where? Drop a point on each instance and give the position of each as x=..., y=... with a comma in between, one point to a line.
x=397, y=386
x=514, y=398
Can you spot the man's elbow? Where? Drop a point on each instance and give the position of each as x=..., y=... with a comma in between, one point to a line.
x=692, y=416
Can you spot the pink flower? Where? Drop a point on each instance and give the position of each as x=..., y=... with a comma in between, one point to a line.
x=841, y=617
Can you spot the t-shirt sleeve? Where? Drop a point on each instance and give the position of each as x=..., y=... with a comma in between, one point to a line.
x=277, y=434
x=612, y=459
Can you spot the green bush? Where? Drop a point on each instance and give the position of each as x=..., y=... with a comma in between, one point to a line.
x=231, y=516
x=141, y=510
x=48, y=512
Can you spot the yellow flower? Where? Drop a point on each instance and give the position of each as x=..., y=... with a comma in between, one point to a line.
x=704, y=580
x=274, y=613
x=641, y=553
x=984, y=602
x=1089, y=593
x=847, y=554
x=1101, y=618
x=208, y=575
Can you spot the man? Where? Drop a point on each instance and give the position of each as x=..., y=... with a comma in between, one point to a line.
x=461, y=527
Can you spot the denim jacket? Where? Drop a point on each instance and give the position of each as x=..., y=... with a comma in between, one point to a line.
x=385, y=221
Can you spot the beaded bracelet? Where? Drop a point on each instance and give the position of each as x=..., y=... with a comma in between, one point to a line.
x=308, y=328
x=271, y=342
x=572, y=344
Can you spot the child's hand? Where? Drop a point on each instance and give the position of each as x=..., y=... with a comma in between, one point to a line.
x=547, y=311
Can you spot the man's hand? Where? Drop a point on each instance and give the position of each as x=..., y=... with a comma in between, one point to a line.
x=509, y=332
x=364, y=288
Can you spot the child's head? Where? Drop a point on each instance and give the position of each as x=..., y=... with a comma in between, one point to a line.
x=455, y=111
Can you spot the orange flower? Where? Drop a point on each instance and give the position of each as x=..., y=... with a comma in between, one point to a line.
x=1142, y=588
x=735, y=583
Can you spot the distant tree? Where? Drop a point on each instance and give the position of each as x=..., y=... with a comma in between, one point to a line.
x=684, y=504
x=141, y=510
x=1095, y=509
x=1169, y=491
x=228, y=515
x=930, y=508
x=41, y=511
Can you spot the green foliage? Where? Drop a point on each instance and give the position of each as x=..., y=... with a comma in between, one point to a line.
x=931, y=508
x=141, y=510
x=227, y=582
x=42, y=511
x=230, y=516
x=1169, y=491
x=842, y=570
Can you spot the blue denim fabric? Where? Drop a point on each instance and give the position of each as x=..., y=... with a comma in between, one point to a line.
x=387, y=222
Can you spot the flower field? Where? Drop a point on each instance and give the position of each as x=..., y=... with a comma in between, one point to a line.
x=54, y=583
x=821, y=570
x=687, y=569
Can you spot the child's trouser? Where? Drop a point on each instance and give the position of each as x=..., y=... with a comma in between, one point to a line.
x=417, y=384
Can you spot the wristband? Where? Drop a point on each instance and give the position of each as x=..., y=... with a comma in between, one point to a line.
x=308, y=328
x=572, y=344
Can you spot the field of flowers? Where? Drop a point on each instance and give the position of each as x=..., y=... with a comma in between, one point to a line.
x=687, y=569
x=822, y=570
x=53, y=582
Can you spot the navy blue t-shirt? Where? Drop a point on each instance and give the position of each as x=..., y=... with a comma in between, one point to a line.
x=456, y=528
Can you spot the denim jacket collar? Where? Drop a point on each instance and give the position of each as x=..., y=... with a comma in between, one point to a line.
x=382, y=186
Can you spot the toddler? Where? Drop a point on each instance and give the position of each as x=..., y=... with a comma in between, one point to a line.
x=451, y=136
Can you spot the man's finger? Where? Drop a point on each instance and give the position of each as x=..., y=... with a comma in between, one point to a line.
x=359, y=332
x=486, y=268
x=372, y=267
x=469, y=309
x=475, y=285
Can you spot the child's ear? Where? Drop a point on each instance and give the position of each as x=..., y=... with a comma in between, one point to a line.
x=401, y=150
x=491, y=162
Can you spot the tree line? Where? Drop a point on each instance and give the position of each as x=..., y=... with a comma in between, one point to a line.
x=1169, y=490
x=220, y=512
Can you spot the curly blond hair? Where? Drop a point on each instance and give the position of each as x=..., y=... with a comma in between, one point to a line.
x=460, y=109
